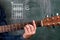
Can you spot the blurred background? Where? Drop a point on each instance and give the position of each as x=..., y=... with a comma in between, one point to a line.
x=18, y=11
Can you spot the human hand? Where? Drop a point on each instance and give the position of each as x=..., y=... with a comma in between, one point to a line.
x=29, y=30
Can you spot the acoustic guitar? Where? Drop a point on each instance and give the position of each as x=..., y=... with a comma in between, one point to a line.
x=48, y=21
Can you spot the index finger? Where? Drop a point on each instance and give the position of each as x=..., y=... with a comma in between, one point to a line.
x=34, y=24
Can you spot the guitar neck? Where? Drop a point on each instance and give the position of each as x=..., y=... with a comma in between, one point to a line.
x=17, y=26
x=11, y=27
x=49, y=21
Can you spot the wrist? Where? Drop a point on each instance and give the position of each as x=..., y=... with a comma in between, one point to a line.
x=24, y=36
x=27, y=36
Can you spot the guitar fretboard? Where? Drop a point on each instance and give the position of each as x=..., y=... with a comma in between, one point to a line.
x=7, y=28
x=14, y=27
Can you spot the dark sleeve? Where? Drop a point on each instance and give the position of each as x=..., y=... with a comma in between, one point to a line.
x=2, y=13
x=12, y=37
x=2, y=17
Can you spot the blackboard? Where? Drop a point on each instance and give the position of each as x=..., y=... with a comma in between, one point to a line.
x=37, y=10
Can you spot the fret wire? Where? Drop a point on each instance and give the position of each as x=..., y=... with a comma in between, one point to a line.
x=8, y=27
x=16, y=26
x=1, y=29
x=5, y=28
x=11, y=27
